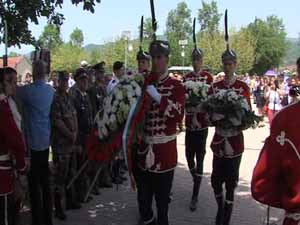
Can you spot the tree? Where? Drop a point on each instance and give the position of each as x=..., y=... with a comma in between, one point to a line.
x=270, y=43
x=19, y=14
x=178, y=27
x=50, y=38
x=76, y=37
x=115, y=51
x=243, y=43
x=209, y=17
x=13, y=54
x=67, y=57
x=95, y=56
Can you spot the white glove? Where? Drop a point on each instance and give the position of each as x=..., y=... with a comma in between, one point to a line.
x=152, y=91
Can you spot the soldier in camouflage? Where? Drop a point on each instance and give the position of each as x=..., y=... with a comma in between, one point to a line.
x=63, y=137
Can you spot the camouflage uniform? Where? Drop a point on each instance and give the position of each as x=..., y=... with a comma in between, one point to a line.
x=63, y=119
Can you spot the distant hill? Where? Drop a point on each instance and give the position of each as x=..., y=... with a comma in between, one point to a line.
x=293, y=51
x=90, y=47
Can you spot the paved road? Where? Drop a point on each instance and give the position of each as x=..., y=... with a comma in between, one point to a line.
x=118, y=207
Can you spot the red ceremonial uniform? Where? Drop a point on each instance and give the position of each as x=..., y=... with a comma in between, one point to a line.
x=12, y=147
x=160, y=152
x=276, y=176
x=197, y=120
x=233, y=145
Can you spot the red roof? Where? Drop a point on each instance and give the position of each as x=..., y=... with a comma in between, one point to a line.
x=12, y=61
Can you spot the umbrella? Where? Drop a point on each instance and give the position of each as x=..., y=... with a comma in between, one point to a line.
x=271, y=73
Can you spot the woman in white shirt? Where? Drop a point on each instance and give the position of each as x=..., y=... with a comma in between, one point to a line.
x=273, y=96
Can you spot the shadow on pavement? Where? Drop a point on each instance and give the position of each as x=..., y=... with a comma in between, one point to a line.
x=119, y=207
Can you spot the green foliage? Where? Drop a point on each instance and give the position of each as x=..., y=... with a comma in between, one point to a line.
x=292, y=52
x=67, y=57
x=50, y=38
x=178, y=27
x=243, y=43
x=115, y=51
x=209, y=17
x=212, y=44
x=13, y=54
x=76, y=37
x=19, y=14
x=270, y=43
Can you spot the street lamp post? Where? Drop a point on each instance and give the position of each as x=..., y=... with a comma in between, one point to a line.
x=183, y=43
x=182, y=55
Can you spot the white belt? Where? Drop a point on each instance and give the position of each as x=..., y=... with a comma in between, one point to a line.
x=160, y=139
x=4, y=157
x=227, y=133
x=5, y=167
x=151, y=140
x=293, y=216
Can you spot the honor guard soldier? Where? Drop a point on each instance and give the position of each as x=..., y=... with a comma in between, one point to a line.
x=157, y=157
x=12, y=146
x=196, y=125
x=227, y=147
x=276, y=180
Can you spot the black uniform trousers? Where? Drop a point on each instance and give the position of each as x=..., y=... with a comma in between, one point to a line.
x=7, y=210
x=39, y=188
x=157, y=185
x=225, y=170
x=195, y=144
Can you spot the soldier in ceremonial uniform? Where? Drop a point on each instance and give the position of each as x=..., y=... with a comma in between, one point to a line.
x=84, y=113
x=64, y=134
x=227, y=147
x=276, y=180
x=196, y=126
x=12, y=146
x=157, y=159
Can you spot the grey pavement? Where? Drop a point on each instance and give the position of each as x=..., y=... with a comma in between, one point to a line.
x=119, y=207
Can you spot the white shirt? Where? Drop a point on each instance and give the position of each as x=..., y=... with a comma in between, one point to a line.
x=71, y=82
x=274, y=101
x=112, y=83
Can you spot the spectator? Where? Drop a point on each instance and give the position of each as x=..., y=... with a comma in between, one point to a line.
x=118, y=72
x=273, y=97
x=53, y=80
x=28, y=78
x=36, y=99
x=294, y=94
x=259, y=96
x=71, y=80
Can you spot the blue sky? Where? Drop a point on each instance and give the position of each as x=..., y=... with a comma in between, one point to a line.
x=114, y=16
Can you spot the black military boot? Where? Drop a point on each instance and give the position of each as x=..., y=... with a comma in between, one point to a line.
x=59, y=212
x=194, y=200
x=220, y=212
x=227, y=213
